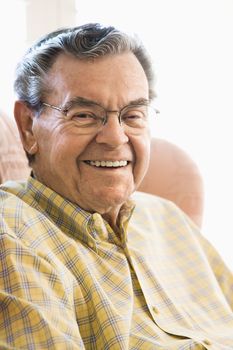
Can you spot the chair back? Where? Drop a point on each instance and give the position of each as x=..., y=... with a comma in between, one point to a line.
x=173, y=175
x=13, y=162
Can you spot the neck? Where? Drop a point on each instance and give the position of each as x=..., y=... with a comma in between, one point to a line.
x=112, y=220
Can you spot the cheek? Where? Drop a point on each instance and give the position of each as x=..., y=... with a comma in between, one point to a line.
x=61, y=147
x=142, y=157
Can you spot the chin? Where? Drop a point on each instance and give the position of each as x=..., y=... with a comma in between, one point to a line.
x=114, y=197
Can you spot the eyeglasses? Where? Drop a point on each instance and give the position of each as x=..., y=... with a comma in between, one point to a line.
x=90, y=117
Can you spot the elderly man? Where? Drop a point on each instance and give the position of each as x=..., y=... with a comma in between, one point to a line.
x=86, y=263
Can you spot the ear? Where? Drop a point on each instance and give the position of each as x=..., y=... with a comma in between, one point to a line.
x=24, y=119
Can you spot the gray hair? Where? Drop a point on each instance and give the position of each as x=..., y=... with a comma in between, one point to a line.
x=84, y=42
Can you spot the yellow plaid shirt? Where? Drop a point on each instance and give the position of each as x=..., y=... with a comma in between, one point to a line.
x=68, y=281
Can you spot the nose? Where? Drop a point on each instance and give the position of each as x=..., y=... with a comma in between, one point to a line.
x=112, y=132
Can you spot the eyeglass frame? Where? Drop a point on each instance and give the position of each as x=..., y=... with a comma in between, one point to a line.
x=86, y=102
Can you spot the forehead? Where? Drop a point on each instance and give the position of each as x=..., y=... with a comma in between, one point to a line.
x=116, y=78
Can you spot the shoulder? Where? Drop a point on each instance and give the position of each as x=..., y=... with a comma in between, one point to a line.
x=13, y=207
x=154, y=216
x=149, y=203
x=12, y=190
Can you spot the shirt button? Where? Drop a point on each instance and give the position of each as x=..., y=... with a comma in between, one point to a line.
x=207, y=342
x=91, y=244
x=98, y=222
x=155, y=309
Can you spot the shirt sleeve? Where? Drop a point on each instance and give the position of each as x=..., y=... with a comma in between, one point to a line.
x=222, y=273
x=36, y=305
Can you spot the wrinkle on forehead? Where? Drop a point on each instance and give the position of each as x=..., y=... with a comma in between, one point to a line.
x=114, y=79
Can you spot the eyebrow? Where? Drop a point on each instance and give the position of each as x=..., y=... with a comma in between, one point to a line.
x=87, y=102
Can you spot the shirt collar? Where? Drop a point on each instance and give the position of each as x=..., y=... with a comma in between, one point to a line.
x=73, y=220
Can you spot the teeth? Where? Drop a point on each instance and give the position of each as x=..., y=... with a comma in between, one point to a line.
x=108, y=164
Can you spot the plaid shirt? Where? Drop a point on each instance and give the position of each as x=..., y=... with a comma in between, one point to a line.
x=68, y=281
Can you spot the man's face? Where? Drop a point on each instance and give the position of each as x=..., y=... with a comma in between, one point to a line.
x=65, y=158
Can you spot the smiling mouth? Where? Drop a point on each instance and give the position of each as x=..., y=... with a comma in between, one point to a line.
x=107, y=164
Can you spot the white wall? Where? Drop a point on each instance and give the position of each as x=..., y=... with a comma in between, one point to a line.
x=12, y=41
x=191, y=45
x=44, y=16
x=22, y=22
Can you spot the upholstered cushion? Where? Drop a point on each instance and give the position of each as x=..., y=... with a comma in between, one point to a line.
x=174, y=175
x=13, y=162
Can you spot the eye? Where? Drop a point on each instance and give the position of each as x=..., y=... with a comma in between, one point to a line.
x=132, y=115
x=83, y=115
x=83, y=118
x=134, y=118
